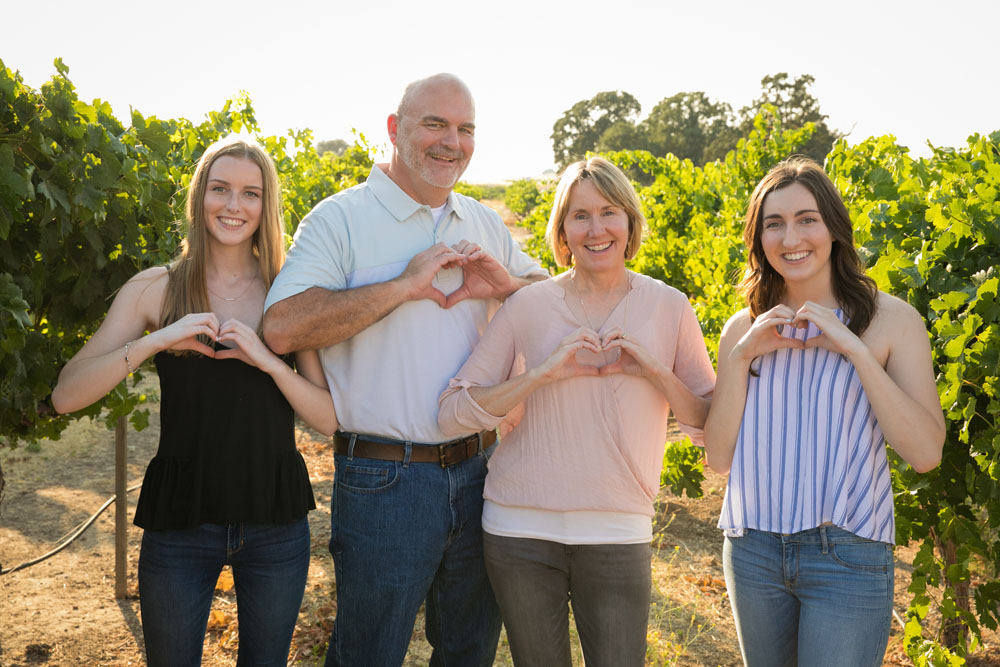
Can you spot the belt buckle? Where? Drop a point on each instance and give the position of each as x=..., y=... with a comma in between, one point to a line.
x=446, y=447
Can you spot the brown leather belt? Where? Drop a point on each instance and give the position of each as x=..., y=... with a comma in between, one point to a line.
x=446, y=453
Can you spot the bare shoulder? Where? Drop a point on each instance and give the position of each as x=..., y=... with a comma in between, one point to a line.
x=893, y=314
x=734, y=329
x=153, y=278
x=143, y=293
x=737, y=325
x=896, y=326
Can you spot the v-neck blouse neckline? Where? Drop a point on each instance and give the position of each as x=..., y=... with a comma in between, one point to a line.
x=604, y=325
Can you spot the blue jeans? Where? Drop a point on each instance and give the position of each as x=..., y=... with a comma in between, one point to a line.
x=821, y=597
x=177, y=574
x=403, y=533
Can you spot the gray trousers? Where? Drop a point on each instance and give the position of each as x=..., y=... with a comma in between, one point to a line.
x=607, y=584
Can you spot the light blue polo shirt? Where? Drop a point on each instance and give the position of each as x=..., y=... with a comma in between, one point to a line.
x=386, y=379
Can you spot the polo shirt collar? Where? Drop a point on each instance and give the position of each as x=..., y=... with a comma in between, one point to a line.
x=401, y=205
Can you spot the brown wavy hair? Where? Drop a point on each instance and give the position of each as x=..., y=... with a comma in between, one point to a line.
x=186, y=288
x=762, y=286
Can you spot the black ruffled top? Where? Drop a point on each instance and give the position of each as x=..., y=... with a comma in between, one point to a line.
x=227, y=448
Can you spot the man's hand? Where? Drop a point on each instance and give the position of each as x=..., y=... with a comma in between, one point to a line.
x=483, y=277
x=418, y=275
x=318, y=317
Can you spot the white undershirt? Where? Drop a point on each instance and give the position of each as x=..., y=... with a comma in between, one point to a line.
x=575, y=527
x=438, y=213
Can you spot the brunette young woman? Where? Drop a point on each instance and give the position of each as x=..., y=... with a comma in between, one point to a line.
x=227, y=485
x=815, y=376
x=594, y=360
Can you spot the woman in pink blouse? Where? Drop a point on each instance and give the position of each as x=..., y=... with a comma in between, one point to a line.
x=587, y=367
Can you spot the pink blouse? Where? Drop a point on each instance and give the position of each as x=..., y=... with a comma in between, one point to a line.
x=586, y=443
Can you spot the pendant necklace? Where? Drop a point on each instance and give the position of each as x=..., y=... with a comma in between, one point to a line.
x=579, y=296
x=238, y=296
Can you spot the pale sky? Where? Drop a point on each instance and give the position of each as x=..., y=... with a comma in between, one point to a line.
x=917, y=69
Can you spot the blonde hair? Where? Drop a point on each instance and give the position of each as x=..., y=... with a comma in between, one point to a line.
x=186, y=288
x=613, y=185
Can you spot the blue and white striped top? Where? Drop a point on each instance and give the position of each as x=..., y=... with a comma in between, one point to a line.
x=810, y=450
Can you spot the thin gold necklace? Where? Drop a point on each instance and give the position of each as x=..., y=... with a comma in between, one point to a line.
x=238, y=296
x=579, y=297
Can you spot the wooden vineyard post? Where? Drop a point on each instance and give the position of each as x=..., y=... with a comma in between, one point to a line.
x=121, y=511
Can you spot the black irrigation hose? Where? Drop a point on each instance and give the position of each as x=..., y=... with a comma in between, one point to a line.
x=71, y=536
x=78, y=531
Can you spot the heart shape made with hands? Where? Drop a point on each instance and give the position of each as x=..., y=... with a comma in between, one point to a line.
x=586, y=357
x=589, y=358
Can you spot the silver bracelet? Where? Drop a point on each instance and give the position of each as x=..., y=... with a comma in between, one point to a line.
x=128, y=364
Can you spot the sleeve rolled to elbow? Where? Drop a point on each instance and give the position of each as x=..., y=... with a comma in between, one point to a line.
x=459, y=414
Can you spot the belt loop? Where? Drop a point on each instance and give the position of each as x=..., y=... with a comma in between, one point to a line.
x=350, y=446
x=407, y=450
x=479, y=451
x=823, y=539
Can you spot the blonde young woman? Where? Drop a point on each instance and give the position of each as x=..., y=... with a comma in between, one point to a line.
x=814, y=376
x=227, y=485
x=591, y=363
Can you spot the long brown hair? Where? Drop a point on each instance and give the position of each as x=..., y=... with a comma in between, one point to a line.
x=186, y=288
x=763, y=286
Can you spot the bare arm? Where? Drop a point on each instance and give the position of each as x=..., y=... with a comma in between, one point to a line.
x=320, y=317
x=903, y=394
x=101, y=363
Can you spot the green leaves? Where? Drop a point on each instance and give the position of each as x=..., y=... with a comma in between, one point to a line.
x=937, y=247
x=683, y=468
x=84, y=204
x=929, y=230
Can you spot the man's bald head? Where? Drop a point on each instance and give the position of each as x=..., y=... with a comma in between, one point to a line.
x=443, y=83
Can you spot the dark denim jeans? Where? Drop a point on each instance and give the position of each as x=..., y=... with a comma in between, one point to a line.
x=403, y=533
x=177, y=574
x=818, y=598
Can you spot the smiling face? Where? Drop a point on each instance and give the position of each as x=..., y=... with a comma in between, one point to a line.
x=434, y=138
x=233, y=200
x=596, y=230
x=794, y=236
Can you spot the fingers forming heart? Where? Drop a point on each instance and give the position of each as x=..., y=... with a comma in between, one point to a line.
x=586, y=357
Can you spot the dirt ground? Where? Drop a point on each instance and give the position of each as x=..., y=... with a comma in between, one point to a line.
x=63, y=611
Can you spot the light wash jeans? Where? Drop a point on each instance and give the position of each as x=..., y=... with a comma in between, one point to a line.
x=177, y=574
x=403, y=533
x=607, y=584
x=818, y=598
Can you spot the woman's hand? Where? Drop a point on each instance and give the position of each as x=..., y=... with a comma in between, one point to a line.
x=633, y=358
x=183, y=334
x=834, y=334
x=562, y=362
x=742, y=341
x=250, y=349
x=763, y=336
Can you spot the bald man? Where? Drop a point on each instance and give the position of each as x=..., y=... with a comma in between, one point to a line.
x=394, y=281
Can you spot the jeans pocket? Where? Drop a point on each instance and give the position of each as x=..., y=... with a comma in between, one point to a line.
x=867, y=556
x=370, y=477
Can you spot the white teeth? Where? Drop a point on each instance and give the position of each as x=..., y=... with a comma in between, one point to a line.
x=598, y=248
x=793, y=256
x=231, y=222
